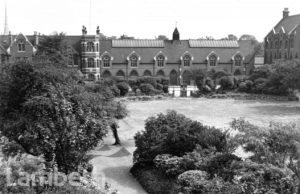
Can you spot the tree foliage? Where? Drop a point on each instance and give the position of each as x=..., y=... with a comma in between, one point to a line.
x=46, y=111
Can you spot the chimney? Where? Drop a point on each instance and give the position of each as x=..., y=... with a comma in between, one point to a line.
x=10, y=37
x=285, y=12
x=36, y=37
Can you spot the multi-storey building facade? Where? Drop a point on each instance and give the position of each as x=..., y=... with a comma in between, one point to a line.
x=131, y=58
x=283, y=41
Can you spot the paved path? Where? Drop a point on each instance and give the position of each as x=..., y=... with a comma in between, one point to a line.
x=112, y=165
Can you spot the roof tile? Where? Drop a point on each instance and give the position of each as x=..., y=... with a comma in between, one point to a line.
x=138, y=43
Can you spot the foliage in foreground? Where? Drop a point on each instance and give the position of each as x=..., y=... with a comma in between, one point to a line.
x=201, y=167
x=47, y=111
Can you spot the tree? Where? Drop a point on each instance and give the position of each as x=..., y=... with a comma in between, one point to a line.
x=230, y=37
x=162, y=37
x=54, y=48
x=46, y=112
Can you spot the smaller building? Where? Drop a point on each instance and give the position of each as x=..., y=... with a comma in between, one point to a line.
x=282, y=42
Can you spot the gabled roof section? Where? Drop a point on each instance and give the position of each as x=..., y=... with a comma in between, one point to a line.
x=293, y=30
x=213, y=44
x=288, y=23
x=138, y=43
x=238, y=53
x=2, y=49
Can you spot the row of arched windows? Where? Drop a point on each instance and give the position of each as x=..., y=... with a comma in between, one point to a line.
x=161, y=60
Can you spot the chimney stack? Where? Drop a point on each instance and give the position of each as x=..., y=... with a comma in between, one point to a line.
x=36, y=36
x=286, y=12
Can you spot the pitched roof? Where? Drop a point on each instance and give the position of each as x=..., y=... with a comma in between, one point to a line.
x=288, y=23
x=172, y=49
x=137, y=43
x=214, y=43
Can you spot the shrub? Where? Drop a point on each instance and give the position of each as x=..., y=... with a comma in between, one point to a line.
x=153, y=180
x=174, y=134
x=115, y=90
x=123, y=87
x=237, y=72
x=159, y=87
x=259, y=85
x=220, y=74
x=147, y=80
x=147, y=89
x=221, y=165
x=210, y=83
x=193, y=181
x=263, y=72
x=170, y=165
x=226, y=82
x=166, y=89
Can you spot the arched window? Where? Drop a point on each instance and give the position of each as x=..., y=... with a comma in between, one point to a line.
x=160, y=60
x=106, y=61
x=238, y=60
x=106, y=73
x=91, y=63
x=90, y=47
x=186, y=60
x=147, y=73
x=173, y=78
x=186, y=77
x=133, y=73
x=133, y=61
x=21, y=45
x=160, y=73
x=212, y=60
x=120, y=73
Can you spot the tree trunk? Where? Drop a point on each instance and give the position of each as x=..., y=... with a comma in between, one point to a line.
x=115, y=133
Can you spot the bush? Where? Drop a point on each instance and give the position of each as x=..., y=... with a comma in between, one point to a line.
x=263, y=72
x=166, y=89
x=174, y=134
x=193, y=181
x=170, y=165
x=148, y=89
x=148, y=80
x=221, y=165
x=226, y=82
x=152, y=179
x=159, y=87
x=123, y=87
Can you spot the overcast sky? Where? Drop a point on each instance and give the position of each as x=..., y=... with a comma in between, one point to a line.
x=147, y=19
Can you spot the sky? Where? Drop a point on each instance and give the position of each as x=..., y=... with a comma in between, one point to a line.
x=146, y=19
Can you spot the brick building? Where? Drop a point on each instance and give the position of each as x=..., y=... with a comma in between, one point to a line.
x=283, y=41
x=132, y=58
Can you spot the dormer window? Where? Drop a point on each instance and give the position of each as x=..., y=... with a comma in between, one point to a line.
x=160, y=61
x=106, y=61
x=238, y=60
x=186, y=60
x=133, y=61
x=21, y=46
x=90, y=47
x=212, y=60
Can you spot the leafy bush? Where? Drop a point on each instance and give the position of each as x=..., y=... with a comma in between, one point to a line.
x=174, y=134
x=170, y=165
x=220, y=165
x=226, y=82
x=166, y=89
x=159, y=87
x=263, y=72
x=123, y=87
x=153, y=180
x=148, y=80
x=148, y=89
